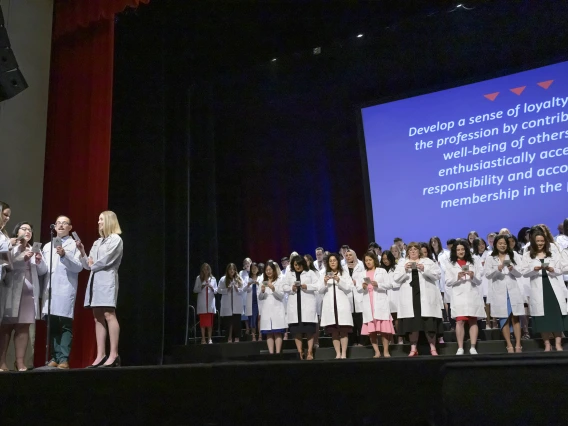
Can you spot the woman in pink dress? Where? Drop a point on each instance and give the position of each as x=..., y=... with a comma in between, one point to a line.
x=377, y=318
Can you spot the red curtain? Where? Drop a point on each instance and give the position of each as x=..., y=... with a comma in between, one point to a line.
x=72, y=14
x=77, y=154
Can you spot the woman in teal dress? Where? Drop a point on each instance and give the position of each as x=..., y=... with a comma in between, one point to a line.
x=548, y=292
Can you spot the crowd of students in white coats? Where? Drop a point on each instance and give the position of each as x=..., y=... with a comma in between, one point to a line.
x=397, y=293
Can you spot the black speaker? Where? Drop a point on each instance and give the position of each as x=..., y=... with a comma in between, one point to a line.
x=12, y=81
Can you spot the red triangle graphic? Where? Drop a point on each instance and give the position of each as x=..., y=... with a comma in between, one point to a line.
x=518, y=90
x=491, y=96
x=545, y=84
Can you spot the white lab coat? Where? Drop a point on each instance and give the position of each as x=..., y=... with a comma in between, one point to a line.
x=442, y=281
x=381, y=307
x=393, y=293
x=443, y=259
x=15, y=282
x=319, y=296
x=102, y=289
x=430, y=300
x=309, y=314
x=356, y=297
x=231, y=299
x=502, y=283
x=562, y=243
x=64, y=279
x=467, y=300
x=341, y=290
x=555, y=278
x=484, y=281
x=246, y=295
x=206, y=295
x=5, y=269
x=273, y=315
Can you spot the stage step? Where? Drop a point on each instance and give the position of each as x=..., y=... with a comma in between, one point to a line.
x=252, y=351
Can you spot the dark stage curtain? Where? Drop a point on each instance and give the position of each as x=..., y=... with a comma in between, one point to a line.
x=70, y=15
x=77, y=158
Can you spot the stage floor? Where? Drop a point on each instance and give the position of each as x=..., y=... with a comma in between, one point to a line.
x=468, y=390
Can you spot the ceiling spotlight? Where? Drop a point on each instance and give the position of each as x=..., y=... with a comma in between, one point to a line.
x=316, y=50
x=273, y=60
x=359, y=35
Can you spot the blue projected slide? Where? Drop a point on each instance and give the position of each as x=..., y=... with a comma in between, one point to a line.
x=478, y=157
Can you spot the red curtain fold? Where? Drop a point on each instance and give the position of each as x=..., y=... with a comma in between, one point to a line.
x=73, y=14
x=77, y=158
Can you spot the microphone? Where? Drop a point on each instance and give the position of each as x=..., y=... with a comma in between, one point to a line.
x=52, y=226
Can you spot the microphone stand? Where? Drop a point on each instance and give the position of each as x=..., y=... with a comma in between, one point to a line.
x=48, y=334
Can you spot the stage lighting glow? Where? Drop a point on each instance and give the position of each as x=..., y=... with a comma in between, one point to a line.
x=359, y=35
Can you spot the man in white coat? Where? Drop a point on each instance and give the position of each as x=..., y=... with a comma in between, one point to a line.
x=66, y=265
x=319, y=263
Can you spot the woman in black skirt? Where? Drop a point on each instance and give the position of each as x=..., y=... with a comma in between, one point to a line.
x=301, y=285
x=419, y=303
x=548, y=292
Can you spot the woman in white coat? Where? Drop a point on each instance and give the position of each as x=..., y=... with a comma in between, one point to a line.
x=251, y=288
x=206, y=287
x=480, y=254
x=419, y=303
x=336, y=286
x=273, y=316
x=231, y=288
x=246, y=294
x=22, y=296
x=389, y=265
x=502, y=269
x=5, y=247
x=102, y=290
x=301, y=284
x=463, y=275
x=356, y=270
x=319, y=297
x=548, y=292
x=377, y=319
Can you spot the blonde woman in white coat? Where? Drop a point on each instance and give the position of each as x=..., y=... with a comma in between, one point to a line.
x=23, y=293
x=206, y=287
x=102, y=290
x=302, y=284
x=377, y=318
x=463, y=275
x=419, y=302
x=231, y=288
x=336, y=286
x=356, y=269
x=548, y=292
x=502, y=269
x=272, y=316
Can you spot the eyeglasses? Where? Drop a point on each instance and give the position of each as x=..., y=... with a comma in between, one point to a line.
x=64, y=223
x=26, y=229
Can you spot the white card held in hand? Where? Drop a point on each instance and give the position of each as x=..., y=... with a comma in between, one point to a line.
x=465, y=268
x=57, y=242
x=36, y=248
x=75, y=236
x=367, y=280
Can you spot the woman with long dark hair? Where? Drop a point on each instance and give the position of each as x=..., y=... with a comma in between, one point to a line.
x=419, y=303
x=502, y=269
x=336, y=285
x=388, y=263
x=22, y=296
x=548, y=293
x=480, y=254
x=377, y=320
x=301, y=284
x=273, y=315
x=5, y=246
x=463, y=275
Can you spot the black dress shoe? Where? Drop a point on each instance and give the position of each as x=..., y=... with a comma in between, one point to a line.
x=100, y=363
x=115, y=363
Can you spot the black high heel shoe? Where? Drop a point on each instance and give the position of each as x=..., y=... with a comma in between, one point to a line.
x=115, y=363
x=100, y=363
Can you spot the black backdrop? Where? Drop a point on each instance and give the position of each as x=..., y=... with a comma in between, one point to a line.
x=219, y=153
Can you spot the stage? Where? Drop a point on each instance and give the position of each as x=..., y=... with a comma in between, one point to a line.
x=518, y=389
